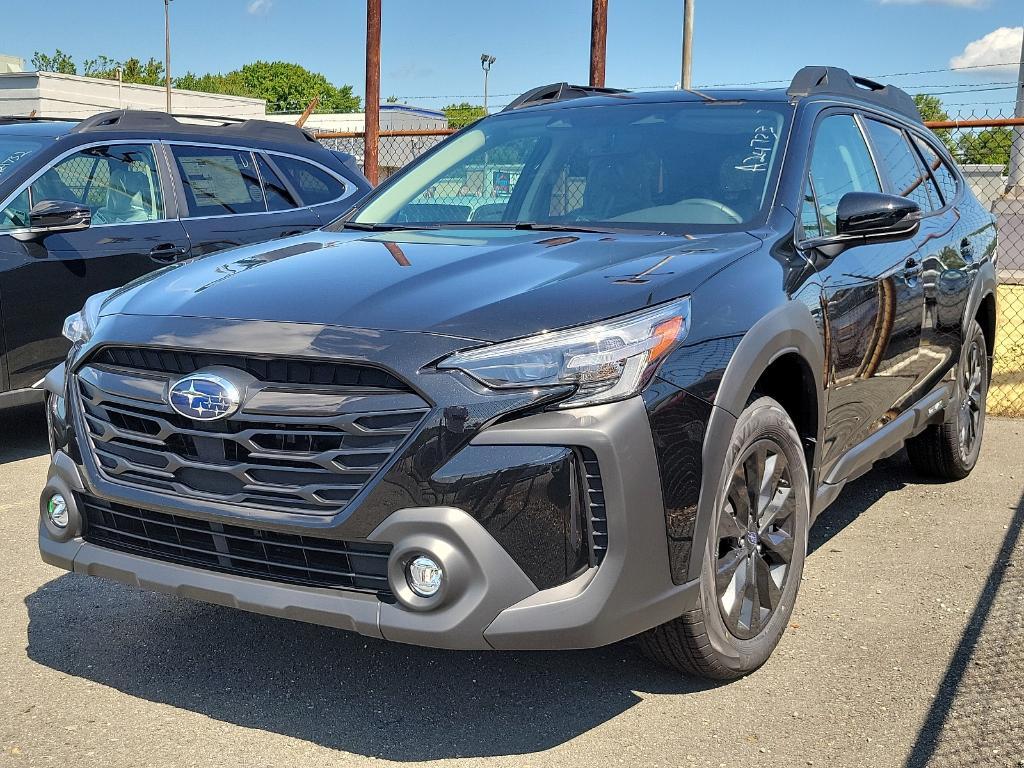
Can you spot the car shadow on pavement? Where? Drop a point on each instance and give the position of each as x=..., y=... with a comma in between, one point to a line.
x=330, y=687
x=23, y=432
x=347, y=692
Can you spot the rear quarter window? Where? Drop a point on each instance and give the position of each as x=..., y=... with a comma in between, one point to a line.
x=314, y=184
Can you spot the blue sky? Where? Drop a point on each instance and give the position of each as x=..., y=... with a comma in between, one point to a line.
x=431, y=50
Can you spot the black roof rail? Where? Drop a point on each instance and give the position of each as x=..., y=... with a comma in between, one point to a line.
x=547, y=94
x=836, y=81
x=150, y=120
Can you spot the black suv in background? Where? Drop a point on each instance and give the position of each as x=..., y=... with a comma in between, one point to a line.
x=91, y=205
x=587, y=370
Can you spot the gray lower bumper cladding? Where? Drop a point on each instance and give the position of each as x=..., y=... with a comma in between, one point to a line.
x=485, y=601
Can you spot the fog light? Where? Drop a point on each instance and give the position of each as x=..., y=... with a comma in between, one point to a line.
x=57, y=511
x=424, y=576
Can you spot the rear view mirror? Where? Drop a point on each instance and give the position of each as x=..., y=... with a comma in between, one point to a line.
x=58, y=216
x=874, y=215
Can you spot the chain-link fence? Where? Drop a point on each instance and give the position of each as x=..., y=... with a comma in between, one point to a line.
x=982, y=145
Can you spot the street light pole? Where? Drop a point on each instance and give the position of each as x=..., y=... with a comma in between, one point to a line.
x=167, y=52
x=485, y=64
x=684, y=80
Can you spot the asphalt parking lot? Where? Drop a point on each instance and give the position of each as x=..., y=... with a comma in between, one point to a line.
x=906, y=649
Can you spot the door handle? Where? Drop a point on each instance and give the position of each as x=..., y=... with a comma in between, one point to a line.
x=167, y=253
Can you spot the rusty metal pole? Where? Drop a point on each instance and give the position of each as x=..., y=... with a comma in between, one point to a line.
x=371, y=136
x=598, y=42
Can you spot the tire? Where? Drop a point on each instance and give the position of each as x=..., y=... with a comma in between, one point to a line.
x=950, y=450
x=713, y=640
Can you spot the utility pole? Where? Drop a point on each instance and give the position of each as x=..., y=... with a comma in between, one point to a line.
x=485, y=64
x=1015, y=181
x=167, y=52
x=598, y=42
x=371, y=137
x=685, y=81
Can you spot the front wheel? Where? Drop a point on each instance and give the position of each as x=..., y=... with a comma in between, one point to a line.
x=755, y=555
x=950, y=450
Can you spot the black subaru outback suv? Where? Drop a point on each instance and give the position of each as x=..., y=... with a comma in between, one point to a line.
x=87, y=205
x=587, y=370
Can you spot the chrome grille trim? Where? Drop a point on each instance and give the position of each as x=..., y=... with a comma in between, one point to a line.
x=292, y=448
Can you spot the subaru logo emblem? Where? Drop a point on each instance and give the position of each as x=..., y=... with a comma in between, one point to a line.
x=204, y=397
x=752, y=538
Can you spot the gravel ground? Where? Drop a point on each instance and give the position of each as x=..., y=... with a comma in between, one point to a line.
x=906, y=649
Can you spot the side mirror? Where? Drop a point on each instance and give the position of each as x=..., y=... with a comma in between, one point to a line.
x=869, y=217
x=874, y=215
x=58, y=216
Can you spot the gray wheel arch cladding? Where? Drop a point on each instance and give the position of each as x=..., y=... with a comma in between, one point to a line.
x=790, y=328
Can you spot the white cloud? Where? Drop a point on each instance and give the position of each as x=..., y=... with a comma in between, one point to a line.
x=957, y=3
x=258, y=7
x=1000, y=47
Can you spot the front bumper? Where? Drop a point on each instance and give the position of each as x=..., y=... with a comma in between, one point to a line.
x=487, y=600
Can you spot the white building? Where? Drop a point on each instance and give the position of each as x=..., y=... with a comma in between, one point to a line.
x=393, y=117
x=51, y=94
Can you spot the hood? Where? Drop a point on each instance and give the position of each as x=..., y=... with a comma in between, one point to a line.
x=487, y=284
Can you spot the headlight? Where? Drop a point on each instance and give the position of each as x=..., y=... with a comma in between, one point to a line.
x=79, y=327
x=606, y=361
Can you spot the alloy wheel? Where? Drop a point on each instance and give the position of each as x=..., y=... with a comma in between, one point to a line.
x=755, y=539
x=972, y=403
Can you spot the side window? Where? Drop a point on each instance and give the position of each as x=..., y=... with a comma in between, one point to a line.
x=941, y=172
x=840, y=163
x=119, y=183
x=15, y=215
x=278, y=196
x=809, y=212
x=219, y=181
x=907, y=177
x=314, y=184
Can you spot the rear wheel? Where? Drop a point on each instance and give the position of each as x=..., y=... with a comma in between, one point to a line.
x=950, y=450
x=755, y=554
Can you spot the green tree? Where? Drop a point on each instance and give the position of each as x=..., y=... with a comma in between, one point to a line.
x=461, y=115
x=58, y=62
x=132, y=70
x=931, y=109
x=988, y=147
x=286, y=87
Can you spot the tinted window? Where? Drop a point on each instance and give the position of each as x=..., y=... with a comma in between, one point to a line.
x=901, y=164
x=119, y=183
x=219, y=181
x=642, y=165
x=314, y=184
x=941, y=172
x=840, y=163
x=809, y=212
x=278, y=196
x=14, y=151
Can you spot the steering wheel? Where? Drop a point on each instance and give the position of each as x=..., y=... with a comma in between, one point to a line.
x=720, y=207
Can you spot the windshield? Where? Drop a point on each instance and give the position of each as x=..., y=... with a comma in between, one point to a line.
x=15, y=150
x=666, y=166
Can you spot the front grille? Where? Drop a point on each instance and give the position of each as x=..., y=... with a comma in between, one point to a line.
x=235, y=549
x=279, y=370
x=307, y=449
x=596, y=514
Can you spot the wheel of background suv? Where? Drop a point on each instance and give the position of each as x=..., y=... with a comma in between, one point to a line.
x=754, y=558
x=951, y=449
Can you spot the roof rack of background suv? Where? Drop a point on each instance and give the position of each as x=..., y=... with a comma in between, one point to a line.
x=147, y=120
x=546, y=94
x=835, y=81
x=9, y=119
